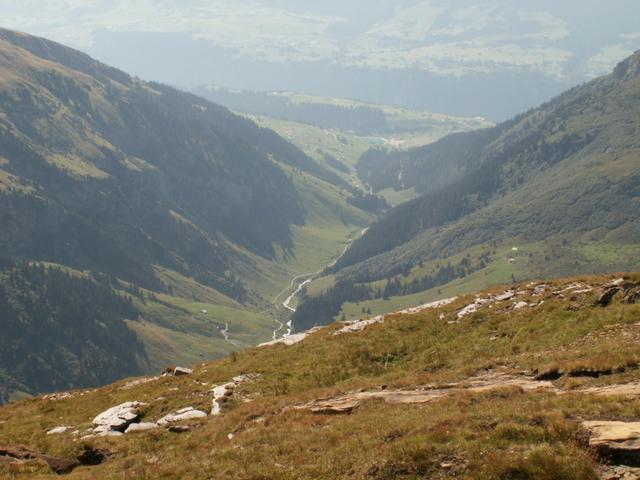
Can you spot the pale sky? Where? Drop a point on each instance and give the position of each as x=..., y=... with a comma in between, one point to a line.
x=487, y=57
x=436, y=35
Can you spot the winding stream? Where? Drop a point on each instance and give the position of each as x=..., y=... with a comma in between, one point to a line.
x=309, y=277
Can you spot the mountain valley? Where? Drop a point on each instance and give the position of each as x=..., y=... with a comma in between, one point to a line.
x=215, y=283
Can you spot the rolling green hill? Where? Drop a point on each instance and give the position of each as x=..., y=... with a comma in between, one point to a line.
x=559, y=185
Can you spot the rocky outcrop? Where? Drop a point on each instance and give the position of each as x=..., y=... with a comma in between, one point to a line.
x=619, y=472
x=359, y=325
x=137, y=382
x=177, y=371
x=182, y=371
x=617, y=442
x=58, y=430
x=221, y=392
x=115, y=420
x=629, y=68
x=182, y=415
x=291, y=339
x=606, y=297
x=630, y=292
x=141, y=427
x=345, y=404
x=362, y=324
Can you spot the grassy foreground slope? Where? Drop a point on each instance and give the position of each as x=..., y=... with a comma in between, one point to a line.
x=502, y=392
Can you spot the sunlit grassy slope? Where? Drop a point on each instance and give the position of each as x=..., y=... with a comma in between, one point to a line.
x=501, y=432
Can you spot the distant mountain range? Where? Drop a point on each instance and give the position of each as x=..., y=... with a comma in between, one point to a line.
x=560, y=183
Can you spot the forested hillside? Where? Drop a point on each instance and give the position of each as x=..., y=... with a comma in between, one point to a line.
x=567, y=171
x=63, y=330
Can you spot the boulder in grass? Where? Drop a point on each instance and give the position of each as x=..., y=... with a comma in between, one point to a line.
x=182, y=415
x=58, y=430
x=182, y=371
x=117, y=418
x=606, y=297
x=619, y=441
x=141, y=427
x=177, y=371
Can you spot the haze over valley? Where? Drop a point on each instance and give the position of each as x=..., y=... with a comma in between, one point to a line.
x=269, y=239
x=475, y=58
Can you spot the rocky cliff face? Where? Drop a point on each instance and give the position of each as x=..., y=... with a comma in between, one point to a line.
x=628, y=69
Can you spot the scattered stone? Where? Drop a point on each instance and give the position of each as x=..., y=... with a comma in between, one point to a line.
x=508, y=295
x=291, y=339
x=226, y=390
x=182, y=371
x=429, y=306
x=137, y=382
x=182, y=415
x=141, y=427
x=117, y=419
x=58, y=430
x=520, y=305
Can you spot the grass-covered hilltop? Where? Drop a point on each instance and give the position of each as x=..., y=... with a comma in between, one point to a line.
x=537, y=380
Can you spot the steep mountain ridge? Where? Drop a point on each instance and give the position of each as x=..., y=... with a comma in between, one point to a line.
x=564, y=174
x=196, y=215
x=598, y=119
